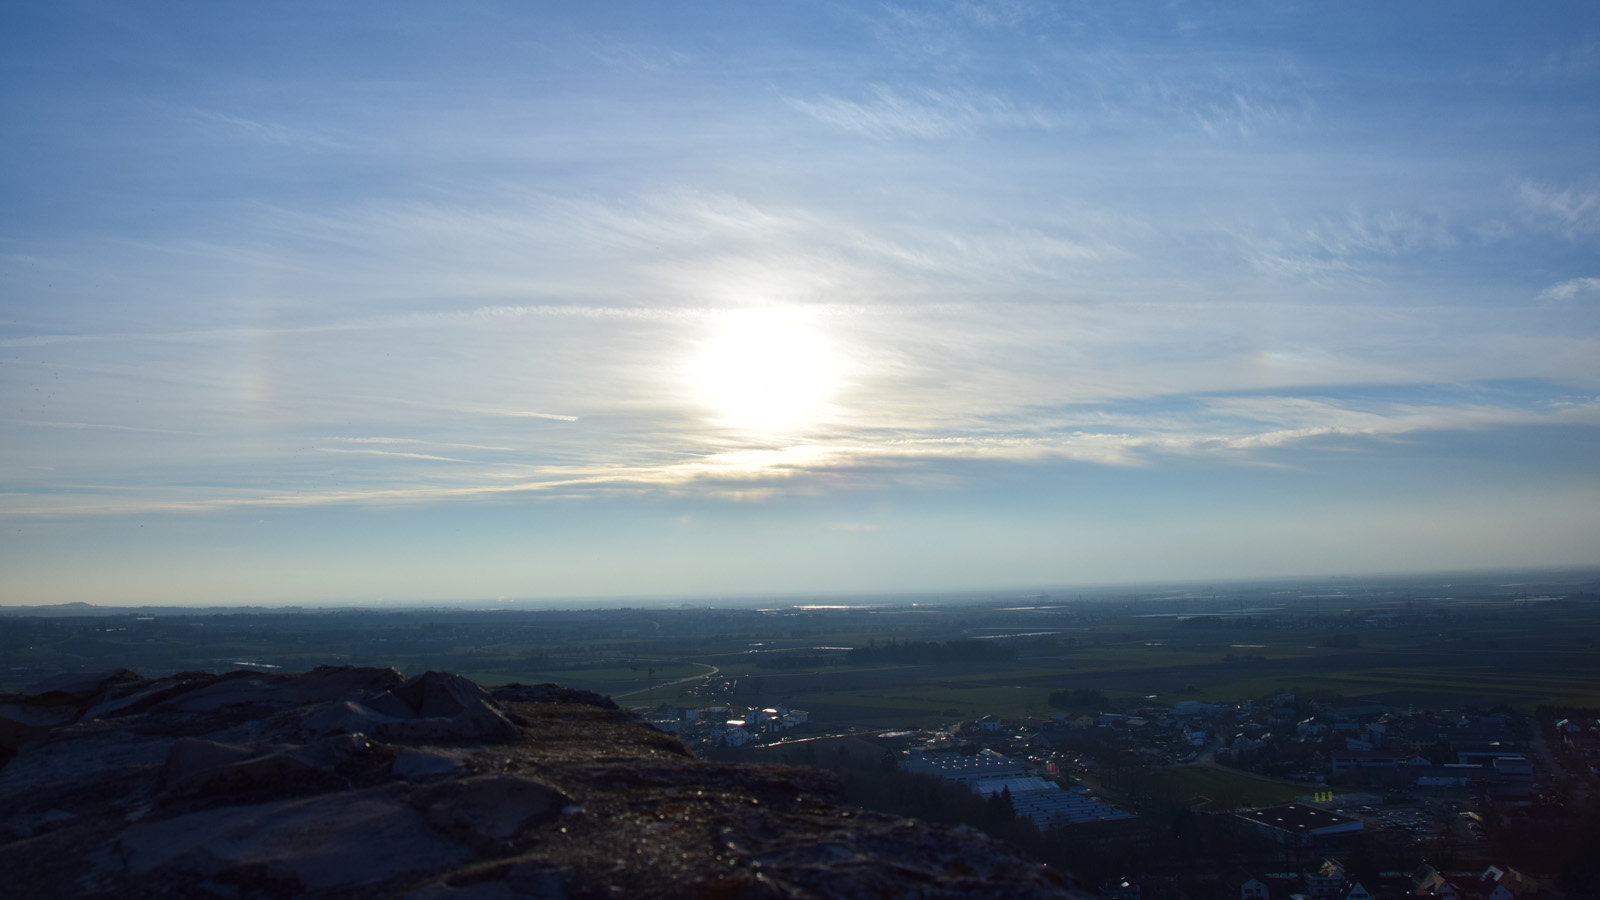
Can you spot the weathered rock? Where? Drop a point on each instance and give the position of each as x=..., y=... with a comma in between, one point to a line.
x=474, y=728
x=413, y=764
x=343, y=717
x=359, y=785
x=441, y=695
x=307, y=845
x=440, y=708
x=190, y=758
x=550, y=693
x=77, y=687
x=341, y=682
x=21, y=724
x=490, y=811
x=389, y=705
x=136, y=697
x=274, y=774
x=31, y=713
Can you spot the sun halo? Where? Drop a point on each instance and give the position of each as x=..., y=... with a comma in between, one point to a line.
x=765, y=369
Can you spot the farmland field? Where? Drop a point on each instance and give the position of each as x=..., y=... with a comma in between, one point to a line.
x=1485, y=645
x=1225, y=789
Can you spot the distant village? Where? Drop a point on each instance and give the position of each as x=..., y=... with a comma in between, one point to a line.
x=1435, y=784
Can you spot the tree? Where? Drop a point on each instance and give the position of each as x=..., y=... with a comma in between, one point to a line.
x=999, y=811
x=1080, y=698
x=1363, y=861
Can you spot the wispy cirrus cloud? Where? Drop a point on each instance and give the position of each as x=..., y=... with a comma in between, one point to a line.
x=922, y=114
x=242, y=127
x=1238, y=430
x=104, y=426
x=525, y=414
x=1572, y=211
x=395, y=440
x=1329, y=249
x=397, y=454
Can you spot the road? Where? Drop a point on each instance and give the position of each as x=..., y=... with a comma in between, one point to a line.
x=1560, y=778
x=714, y=672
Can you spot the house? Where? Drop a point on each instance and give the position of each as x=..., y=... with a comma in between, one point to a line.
x=1353, y=890
x=1485, y=754
x=1584, y=743
x=734, y=733
x=1446, y=775
x=1430, y=882
x=1326, y=881
x=669, y=724
x=1343, y=761
x=1517, y=767
x=1503, y=884
x=1245, y=886
x=1377, y=734
x=1311, y=728
x=990, y=724
x=1121, y=889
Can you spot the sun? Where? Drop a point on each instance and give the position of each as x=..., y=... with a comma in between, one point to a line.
x=765, y=369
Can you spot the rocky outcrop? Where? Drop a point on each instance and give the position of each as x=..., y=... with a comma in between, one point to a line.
x=358, y=783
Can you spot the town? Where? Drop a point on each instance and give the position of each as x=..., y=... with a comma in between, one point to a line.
x=1371, y=800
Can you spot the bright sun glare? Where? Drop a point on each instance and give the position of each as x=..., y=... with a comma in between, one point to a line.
x=765, y=369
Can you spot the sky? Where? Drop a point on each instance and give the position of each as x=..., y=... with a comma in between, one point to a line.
x=410, y=302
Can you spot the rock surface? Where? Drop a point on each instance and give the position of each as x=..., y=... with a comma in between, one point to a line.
x=357, y=783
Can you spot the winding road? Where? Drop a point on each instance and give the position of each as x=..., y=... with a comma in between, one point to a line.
x=714, y=671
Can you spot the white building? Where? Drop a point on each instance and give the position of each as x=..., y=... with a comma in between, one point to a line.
x=1047, y=804
x=734, y=733
x=961, y=768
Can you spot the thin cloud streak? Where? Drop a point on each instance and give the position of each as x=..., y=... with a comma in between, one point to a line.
x=102, y=426
x=394, y=440
x=802, y=468
x=392, y=453
x=523, y=414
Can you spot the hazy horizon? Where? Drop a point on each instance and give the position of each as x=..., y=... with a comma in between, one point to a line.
x=404, y=302
x=1365, y=587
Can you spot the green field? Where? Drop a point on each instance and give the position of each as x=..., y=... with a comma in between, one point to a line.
x=1225, y=790
x=1385, y=669
x=1483, y=651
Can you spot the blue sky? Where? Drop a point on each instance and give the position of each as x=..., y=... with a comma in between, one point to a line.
x=312, y=303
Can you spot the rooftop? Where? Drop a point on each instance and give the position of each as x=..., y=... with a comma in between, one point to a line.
x=1297, y=817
